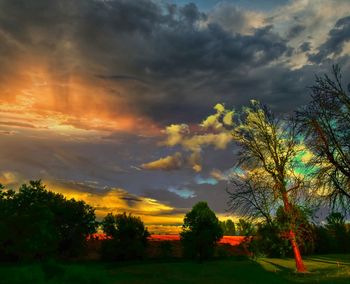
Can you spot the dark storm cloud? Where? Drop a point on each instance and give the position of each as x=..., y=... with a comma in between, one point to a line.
x=295, y=31
x=121, y=78
x=186, y=66
x=337, y=37
x=305, y=46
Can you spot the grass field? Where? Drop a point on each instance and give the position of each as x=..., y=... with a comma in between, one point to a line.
x=323, y=269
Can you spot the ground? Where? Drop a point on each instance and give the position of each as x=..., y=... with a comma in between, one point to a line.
x=323, y=269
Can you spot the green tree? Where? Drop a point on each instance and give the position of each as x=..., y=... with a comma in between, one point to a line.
x=128, y=237
x=228, y=227
x=245, y=228
x=36, y=223
x=200, y=232
x=335, y=225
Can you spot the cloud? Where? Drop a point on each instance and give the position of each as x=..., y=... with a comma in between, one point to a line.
x=337, y=38
x=194, y=59
x=9, y=178
x=168, y=163
x=80, y=74
x=236, y=20
x=117, y=200
x=194, y=160
x=182, y=192
x=225, y=175
x=210, y=180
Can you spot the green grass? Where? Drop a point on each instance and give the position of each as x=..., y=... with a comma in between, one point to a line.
x=322, y=269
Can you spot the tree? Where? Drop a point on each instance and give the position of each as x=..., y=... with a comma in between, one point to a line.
x=252, y=196
x=228, y=227
x=270, y=144
x=337, y=231
x=325, y=122
x=128, y=237
x=36, y=223
x=245, y=228
x=200, y=232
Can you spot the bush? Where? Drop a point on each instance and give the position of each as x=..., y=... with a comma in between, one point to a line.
x=200, y=232
x=128, y=237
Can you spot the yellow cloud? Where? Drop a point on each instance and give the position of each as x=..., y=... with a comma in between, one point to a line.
x=8, y=177
x=168, y=163
x=175, y=134
x=118, y=200
x=180, y=134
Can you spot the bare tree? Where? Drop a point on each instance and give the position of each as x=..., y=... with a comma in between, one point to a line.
x=252, y=196
x=325, y=122
x=271, y=144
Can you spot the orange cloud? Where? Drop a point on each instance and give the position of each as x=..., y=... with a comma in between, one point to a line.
x=38, y=98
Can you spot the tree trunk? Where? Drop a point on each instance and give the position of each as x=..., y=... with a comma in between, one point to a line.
x=292, y=238
x=297, y=256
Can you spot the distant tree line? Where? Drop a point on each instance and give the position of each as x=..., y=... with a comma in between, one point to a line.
x=38, y=224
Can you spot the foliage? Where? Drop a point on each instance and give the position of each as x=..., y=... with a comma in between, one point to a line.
x=245, y=228
x=128, y=237
x=299, y=218
x=200, y=232
x=334, y=236
x=228, y=227
x=37, y=223
x=325, y=122
x=271, y=238
x=267, y=241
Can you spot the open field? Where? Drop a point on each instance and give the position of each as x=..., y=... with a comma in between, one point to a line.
x=323, y=269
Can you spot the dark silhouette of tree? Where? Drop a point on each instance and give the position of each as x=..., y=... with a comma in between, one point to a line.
x=337, y=231
x=200, y=232
x=128, y=237
x=37, y=223
x=252, y=196
x=245, y=228
x=228, y=227
x=325, y=121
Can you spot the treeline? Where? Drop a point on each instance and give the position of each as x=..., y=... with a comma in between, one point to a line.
x=38, y=224
x=331, y=236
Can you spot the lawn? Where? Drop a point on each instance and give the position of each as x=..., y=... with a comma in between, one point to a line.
x=323, y=269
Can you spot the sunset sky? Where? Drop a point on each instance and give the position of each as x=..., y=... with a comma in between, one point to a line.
x=98, y=98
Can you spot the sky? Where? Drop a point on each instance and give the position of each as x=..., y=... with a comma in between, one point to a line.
x=98, y=98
